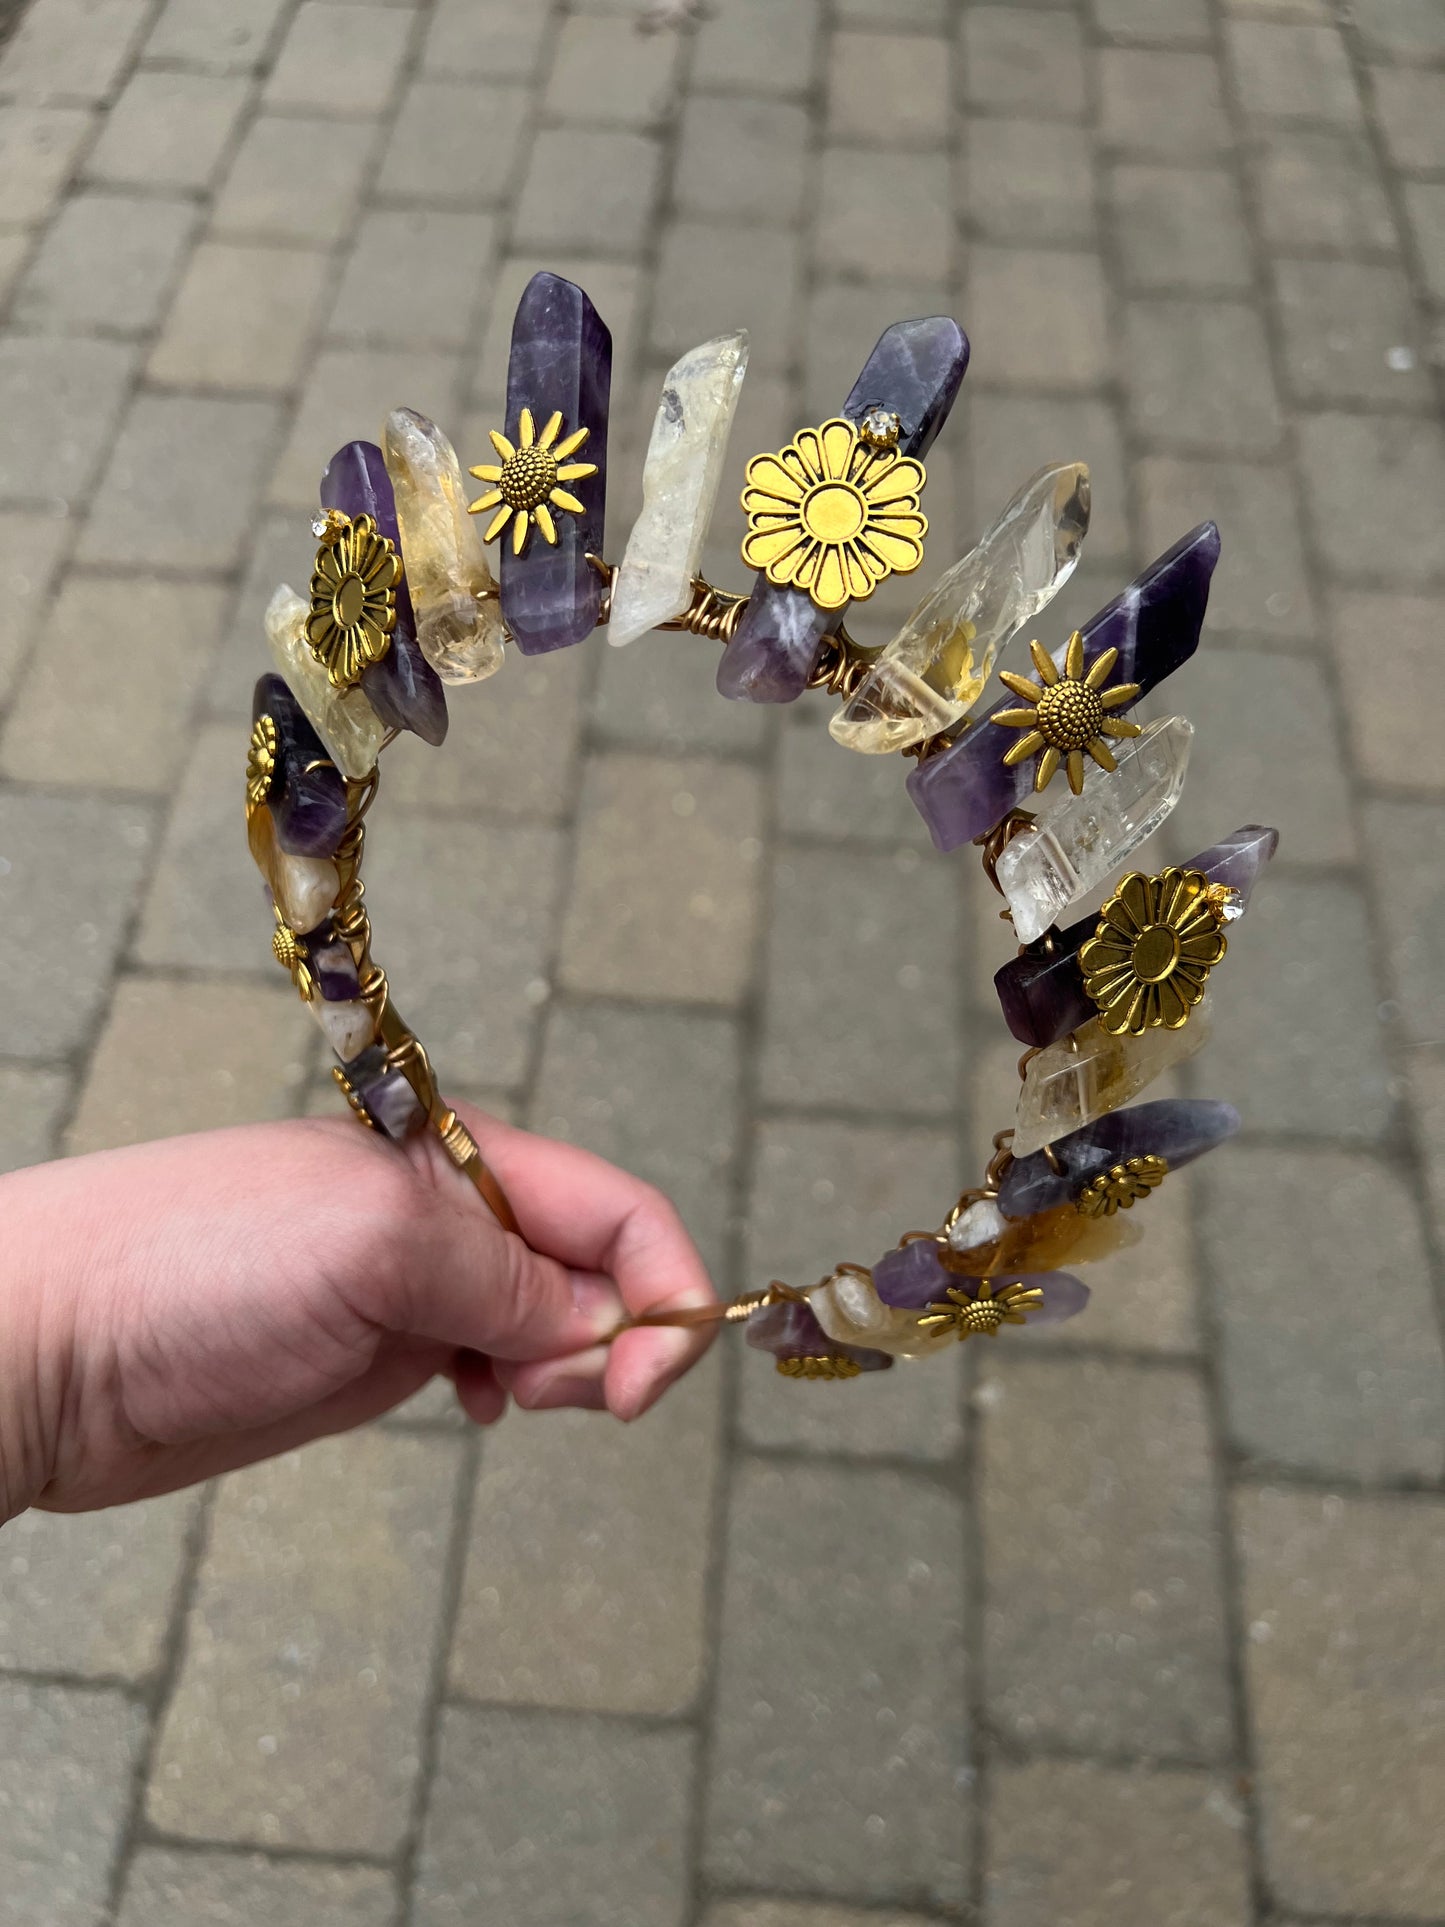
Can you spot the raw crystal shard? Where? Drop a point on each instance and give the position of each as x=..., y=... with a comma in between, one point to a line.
x=307, y=795
x=343, y=719
x=913, y=1275
x=852, y=1313
x=333, y=966
x=304, y=887
x=454, y=597
x=934, y=670
x=1077, y=842
x=403, y=687
x=1042, y=993
x=1065, y=1088
x=1175, y=1129
x=964, y=790
x=384, y=1093
x=917, y=1276
x=992, y=1246
x=685, y=461
x=790, y=1330
x=561, y=363
x=914, y=374
x=348, y=1028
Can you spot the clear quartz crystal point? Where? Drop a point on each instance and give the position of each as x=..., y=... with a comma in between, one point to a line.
x=851, y=1312
x=343, y=719
x=934, y=670
x=685, y=461
x=453, y=592
x=1064, y=1089
x=1076, y=842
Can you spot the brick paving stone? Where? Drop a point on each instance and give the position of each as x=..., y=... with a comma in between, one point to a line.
x=486, y=39
x=841, y=1690
x=242, y=317
x=15, y=252
x=1151, y=101
x=1181, y=22
x=60, y=401
x=1104, y=1624
x=1018, y=60
x=295, y=1719
x=1411, y=104
x=1320, y=190
x=690, y=882
x=258, y=199
x=1393, y=741
x=1405, y=841
x=658, y=693
x=282, y=550
x=1073, y=1843
x=417, y=167
x=72, y=49
x=72, y=866
x=883, y=213
x=1198, y=378
x=107, y=262
x=821, y=1193
x=129, y=732
x=1262, y=584
x=1058, y=342
x=1286, y=72
x=91, y=1593
x=801, y=1913
x=164, y=1888
x=348, y=395
x=844, y=320
x=858, y=1007
x=1371, y=483
x=1403, y=29
x=1425, y=206
x=1317, y=1374
x=1179, y=228
x=1296, y=1019
x=615, y=288
x=327, y=63
x=179, y=1056
x=32, y=1103
x=1343, y=1600
x=590, y=1541
x=1007, y=437
x=758, y=47
x=654, y=1091
x=898, y=83
x=605, y=73
x=30, y=549
x=583, y=1821
x=169, y=130
x=39, y=147
x=1028, y=180
x=744, y=160
x=1350, y=333
x=624, y=173
x=216, y=36
x=414, y=277
x=181, y=483
x=65, y=1773
x=1427, y=1096
x=699, y=282
x=823, y=792
x=1145, y=1299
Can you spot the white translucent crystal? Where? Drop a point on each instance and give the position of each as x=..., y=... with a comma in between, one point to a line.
x=349, y=1027
x=851, y=1312
x=934, y=670
x=1064, y=1089
x=453, y=592
x=304, y=887
x=344, y=720
x=981, y=1224
x=685, y=462
x=1076, y=842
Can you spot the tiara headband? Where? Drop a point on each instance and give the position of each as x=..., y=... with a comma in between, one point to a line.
x=403, y=601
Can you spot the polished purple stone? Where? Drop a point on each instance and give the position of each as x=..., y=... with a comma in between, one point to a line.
x=1177, y=1129
x=1042, y=992
x=790, y=1330
x=912, y=1276
x=561, y=360
x=334, y=968
x=962, y=792
x=390, y=1102
x=308, y=794
x=915, y=370
x=403, y=688
x=1065, y=1296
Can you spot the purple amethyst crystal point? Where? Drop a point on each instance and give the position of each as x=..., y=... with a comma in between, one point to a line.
x=334, y=968
x=561, y=362
x=1175, y=1129
x=912, y=1276
x=385, y=1095
x=1065, y=1296
x=307, y=797
x=1154, y=624
x=790, y=1330
x=914, y=371
x=403, y=688
x=1238, y=862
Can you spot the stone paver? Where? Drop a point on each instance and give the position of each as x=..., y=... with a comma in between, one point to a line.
x=716, y=1670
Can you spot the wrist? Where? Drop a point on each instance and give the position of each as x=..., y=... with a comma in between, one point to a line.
x=35, y=1350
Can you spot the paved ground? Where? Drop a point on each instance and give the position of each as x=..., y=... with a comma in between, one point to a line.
x=1137, y=1625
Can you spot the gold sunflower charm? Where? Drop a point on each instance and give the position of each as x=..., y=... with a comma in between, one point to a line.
x=353, y=597
x=834, y=514
x=1122, y=1185
x=967, y=1317
x=527, y=480
x=260, y=763
x=1150, y=957
x=1067, y=714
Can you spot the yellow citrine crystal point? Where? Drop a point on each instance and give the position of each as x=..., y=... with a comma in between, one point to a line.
x=343, y=718
x=1066, y=1088
x=850, y=1311
x=453, y=592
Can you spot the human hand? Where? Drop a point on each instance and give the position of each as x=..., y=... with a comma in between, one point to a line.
x=176, y=1309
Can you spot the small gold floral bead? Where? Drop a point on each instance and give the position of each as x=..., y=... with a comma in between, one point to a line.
x=1122, y=1185
x=260, y=762
x=1066, y=714
x=827, y=1365
x=979, y=1314
x=526, y=482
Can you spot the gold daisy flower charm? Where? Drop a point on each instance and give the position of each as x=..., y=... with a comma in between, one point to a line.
x=260, y=762
x=1067, y=713
x=820, y=1365
x=834, y=514
x=353, y=598
x=528, y=480
x=1150, y=957
x=967, y=1316
x=1122, y=1185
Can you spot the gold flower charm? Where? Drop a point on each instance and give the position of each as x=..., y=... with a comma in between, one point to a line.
x=290, y=953
x=353, y=598
x=966, y=1316
x=834, y=514
x=1066, y=716
x=826, y=1365
x=527, y=480
x=260, y=763
x=1122, y=1185
x=1150, y=957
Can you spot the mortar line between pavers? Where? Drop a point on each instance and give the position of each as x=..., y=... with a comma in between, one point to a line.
x=197, y=1846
